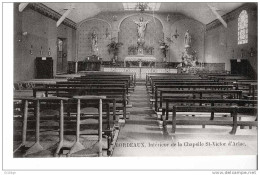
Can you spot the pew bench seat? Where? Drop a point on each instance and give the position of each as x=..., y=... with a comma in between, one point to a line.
x=224, y=121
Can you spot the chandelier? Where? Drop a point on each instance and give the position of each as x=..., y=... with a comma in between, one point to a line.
x=142, y=6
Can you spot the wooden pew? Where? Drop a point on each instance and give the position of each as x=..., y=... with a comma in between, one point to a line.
x=102, y=80
x=84, y=80
x=212, y=102
x=98, y=82
x=168, y=75
x=118, y=93
x=29, y=84
x=228, y=78
x=36, y=147
x=169, y=78
x=105, y=75
x=77, y=145
x=189, y=86
x=253, y=90
x=47, y=103
x=21, y=108
x=249, y=89
x=178, y=83
x=92, y=85
x=67, y=85
x=153, y=81
x=193, y=86
x=184, y=82
x=106, y=78
x=206, y=75
x=162, y=91
x=213, y=109
x=131, y=74
x=107, y=126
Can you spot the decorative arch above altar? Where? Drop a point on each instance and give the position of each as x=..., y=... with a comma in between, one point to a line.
x=153, y=16
x=129, y=37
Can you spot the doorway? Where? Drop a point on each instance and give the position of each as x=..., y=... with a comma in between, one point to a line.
x=239, y=67
x=62, y=56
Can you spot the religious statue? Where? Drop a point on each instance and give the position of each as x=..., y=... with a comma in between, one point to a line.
x=187, y=39
x=94, y=40
x=141, y=26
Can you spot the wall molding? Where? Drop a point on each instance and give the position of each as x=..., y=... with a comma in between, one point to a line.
x=48, y=12
x=233, y=15
x=90, y=19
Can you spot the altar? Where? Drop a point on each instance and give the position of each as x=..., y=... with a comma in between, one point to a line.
x=140, y=59
x=140, y=72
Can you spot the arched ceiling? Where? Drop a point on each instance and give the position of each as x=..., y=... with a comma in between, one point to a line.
x=197, y=10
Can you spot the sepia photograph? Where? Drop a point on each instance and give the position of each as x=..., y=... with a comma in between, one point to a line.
x=173, y=82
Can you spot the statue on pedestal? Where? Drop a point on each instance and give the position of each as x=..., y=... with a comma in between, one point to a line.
x=141, y=26
x=187, y=39
x=94, y=40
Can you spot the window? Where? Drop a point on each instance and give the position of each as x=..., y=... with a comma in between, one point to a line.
x=243, y=28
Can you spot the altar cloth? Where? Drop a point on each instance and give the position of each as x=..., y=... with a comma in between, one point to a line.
x=140, y=58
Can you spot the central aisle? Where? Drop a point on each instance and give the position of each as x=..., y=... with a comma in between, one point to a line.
x=141, y=129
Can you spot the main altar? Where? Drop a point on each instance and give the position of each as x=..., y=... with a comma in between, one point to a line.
x=140, y=60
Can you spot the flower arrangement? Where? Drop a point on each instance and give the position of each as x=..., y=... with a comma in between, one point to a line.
x=132, y=50
x=189, y=59
x=164, y=47
x=113, y=48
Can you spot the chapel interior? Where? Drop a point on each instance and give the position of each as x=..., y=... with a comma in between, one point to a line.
x=129, y=79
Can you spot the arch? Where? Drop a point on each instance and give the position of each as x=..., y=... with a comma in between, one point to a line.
x=83, y=29
x=197, y=31
x=79, y=25
x=120, y=22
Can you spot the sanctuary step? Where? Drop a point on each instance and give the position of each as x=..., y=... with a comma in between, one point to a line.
x=140, y=83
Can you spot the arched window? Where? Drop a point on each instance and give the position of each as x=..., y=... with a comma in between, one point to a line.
x=243, y=28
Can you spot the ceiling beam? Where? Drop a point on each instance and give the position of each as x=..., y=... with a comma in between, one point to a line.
x=22, y=6
x=214, y=10
x=64, y=16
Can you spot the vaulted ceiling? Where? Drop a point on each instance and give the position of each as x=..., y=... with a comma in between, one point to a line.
x=197, y=10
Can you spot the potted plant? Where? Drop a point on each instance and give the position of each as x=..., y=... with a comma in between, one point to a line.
x=164, y=47
x=132, y=50
x=113, y=48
